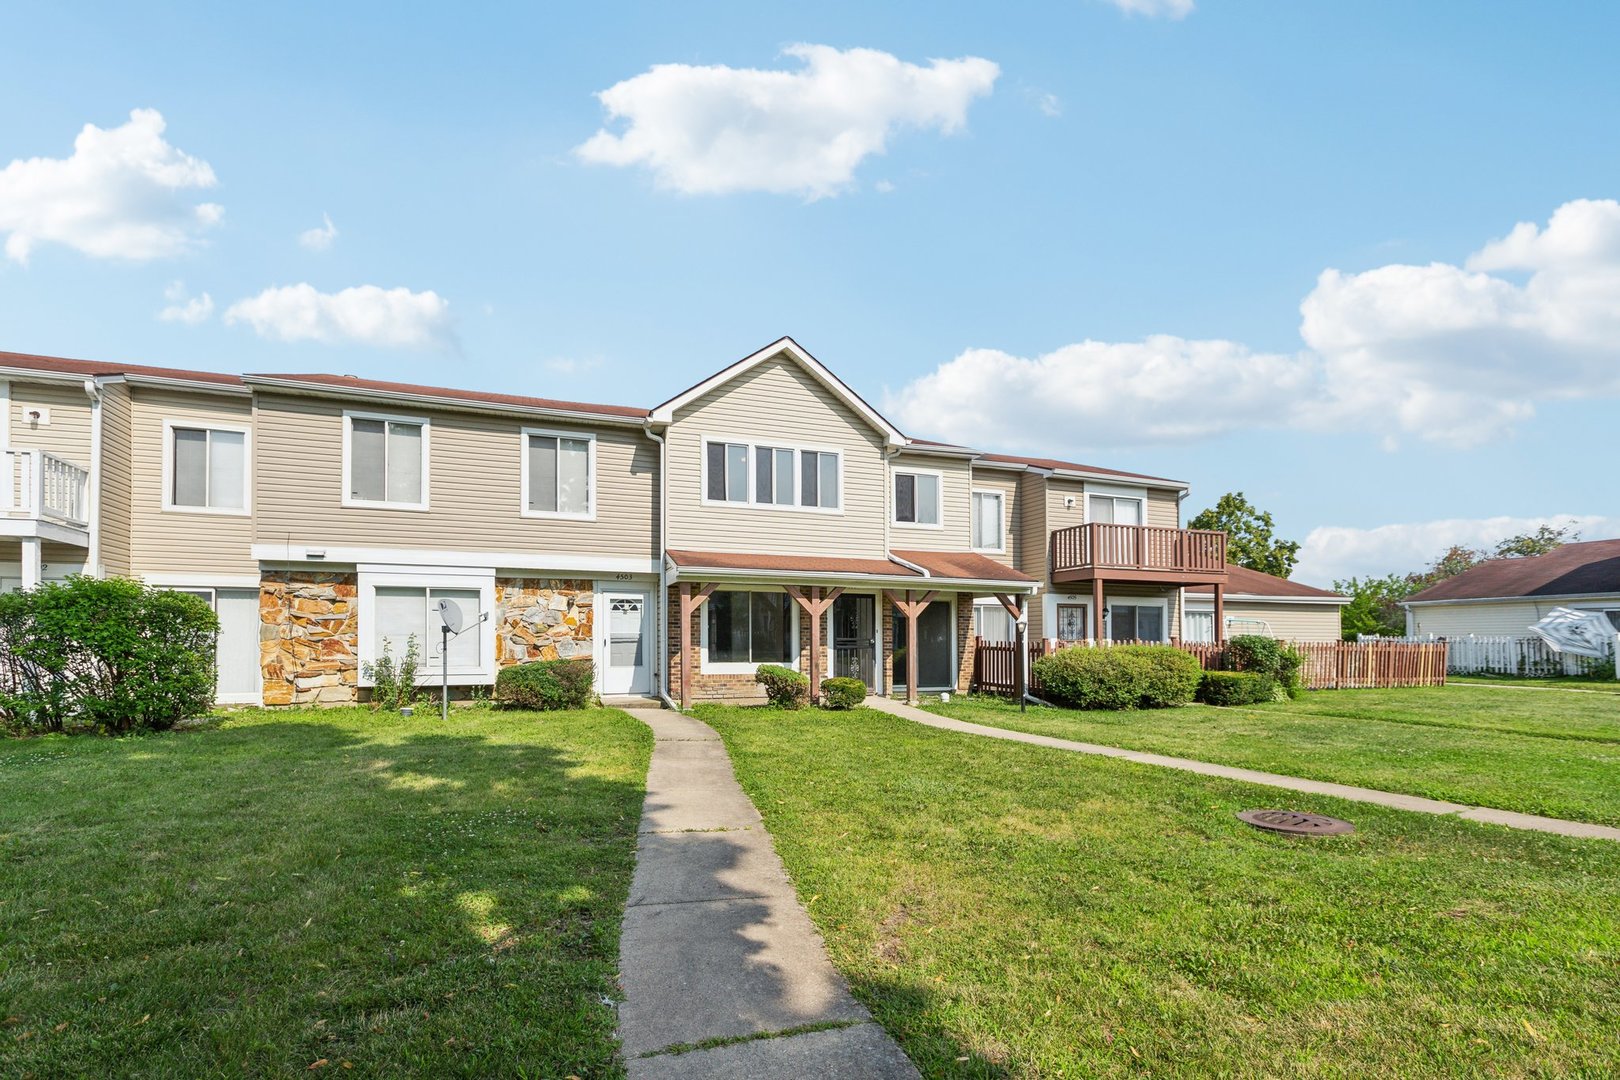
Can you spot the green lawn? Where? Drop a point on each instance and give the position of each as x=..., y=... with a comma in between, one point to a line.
x=396, y=895
x=1540, y=752
x=1009, y=910
x=1601, y=686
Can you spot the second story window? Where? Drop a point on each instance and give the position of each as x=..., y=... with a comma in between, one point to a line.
x=559, y=474
x=916, y=498
x=385, y=461
x=988, y=521
x=780, y=477
x=207, y=469
x=1110, y=510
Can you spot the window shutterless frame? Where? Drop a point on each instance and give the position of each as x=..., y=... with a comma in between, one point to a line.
x=349, y=417
x=589, y=438
x=1000, y=499
x=738, y=667
x=170, y=423
x=749, y=485
x=894, y=500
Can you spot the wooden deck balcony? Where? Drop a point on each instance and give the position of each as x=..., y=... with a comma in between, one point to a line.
x=1138, y=553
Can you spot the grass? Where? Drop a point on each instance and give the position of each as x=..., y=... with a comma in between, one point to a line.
x=1541, y=753
x=1010, y=910
x=1599, y=686
x=288, y=889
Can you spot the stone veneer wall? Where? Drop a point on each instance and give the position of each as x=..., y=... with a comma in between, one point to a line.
x=543, y=619
x=309, y=637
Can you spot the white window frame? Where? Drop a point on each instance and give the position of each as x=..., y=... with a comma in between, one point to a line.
x=894, y=507
x=351, y=415
x=733, y=667
x=1136, y=601
x=1128, y=494
x=1049, y=614
x=1001, y=519
x=590, y=466
x=169, y=505
x=754, y=443
x=994, y=605
x=427, y=672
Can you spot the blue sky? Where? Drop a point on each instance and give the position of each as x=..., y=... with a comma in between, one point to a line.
x=1168, y=185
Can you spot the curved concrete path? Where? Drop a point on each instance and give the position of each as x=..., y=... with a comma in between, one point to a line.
x=1416, y=803
x=716, y=945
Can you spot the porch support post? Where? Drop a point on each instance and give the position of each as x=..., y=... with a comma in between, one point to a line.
x=1220, y=613
x=1096, y=611
x=32, y=568
x=911, y=609
x=815, y=606
x=690, y=602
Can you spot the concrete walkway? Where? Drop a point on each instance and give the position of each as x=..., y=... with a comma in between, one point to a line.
x=716, y=945
x=1253, y=776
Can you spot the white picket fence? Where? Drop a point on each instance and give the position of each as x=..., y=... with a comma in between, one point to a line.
x=1528, y=657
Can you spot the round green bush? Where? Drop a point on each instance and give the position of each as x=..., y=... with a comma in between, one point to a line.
x=784, y=687
x=840, y=693
x=1237, y=688
x=1267, y=656
x=545, y=684
x=1118, y=677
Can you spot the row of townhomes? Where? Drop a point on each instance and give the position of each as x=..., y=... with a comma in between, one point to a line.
x=765, y=515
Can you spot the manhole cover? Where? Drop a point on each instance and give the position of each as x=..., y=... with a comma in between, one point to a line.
x=1295, y=823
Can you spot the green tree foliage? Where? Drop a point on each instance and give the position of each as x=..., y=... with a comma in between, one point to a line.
x=1250, y=537
x=1527, y=545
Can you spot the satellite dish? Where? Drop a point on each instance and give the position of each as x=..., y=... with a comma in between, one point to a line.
x=450, y=615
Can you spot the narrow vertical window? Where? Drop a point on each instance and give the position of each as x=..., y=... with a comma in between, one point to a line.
x=987, y=520
x=559, y=471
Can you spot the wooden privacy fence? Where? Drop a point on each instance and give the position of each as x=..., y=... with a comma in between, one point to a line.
x=1328, y=665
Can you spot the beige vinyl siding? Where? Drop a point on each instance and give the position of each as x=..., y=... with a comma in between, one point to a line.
x=474, y=479
x=67, y=435
x=113, y=498
x=1032, y=540
x=1288, y=622
x=1511, y=618
x=1163, y=508
x=181, y=541
x=56, y=560
x=1007, y=484
x=777, y=403
x=955, y=532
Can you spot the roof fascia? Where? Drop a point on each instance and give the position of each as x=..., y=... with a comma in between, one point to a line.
x=1523, y=597
x=433, y=401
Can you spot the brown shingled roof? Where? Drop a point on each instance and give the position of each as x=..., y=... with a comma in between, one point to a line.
x=1571, y=570
x=963, y=564
x=474, y=397
x=1053, y=464
x=94, y=368
x=945, y=566
x=1242, y=581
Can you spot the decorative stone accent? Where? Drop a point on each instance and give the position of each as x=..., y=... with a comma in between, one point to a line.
x=543, y=619
x=308, y=638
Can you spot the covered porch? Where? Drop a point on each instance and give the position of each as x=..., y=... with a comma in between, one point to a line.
x=902, y=625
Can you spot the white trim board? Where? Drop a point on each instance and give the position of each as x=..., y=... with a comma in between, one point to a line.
x=297, y=551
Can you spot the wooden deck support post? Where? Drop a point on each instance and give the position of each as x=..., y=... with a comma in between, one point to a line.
x=690, y=602
x=1096, y=611
x=814, y=606
x=1220, y=613
x=910, y=609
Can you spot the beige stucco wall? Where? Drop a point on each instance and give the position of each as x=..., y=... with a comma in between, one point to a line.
x=474, y=483
x=183, y=541
x=777, y=403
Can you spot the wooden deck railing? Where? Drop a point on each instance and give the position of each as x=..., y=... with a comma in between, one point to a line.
x=1329, y=665
x=1138, y=547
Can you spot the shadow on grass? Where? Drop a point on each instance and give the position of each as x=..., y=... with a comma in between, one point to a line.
x=259, y=897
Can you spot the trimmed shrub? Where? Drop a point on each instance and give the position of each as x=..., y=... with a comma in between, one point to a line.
x=1237, y=688
x=105, y=654
x=1119, y=677
x=545, y=684
x=1267, y=656
x=784, y=687
x=842, y=693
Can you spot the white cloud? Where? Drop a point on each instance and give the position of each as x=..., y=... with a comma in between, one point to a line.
x=716, y=129
x=364, y=314
x=121, y=195
x=1336, y=552
x=884, y=187
x=185, y=308
x=319, y=238
x=1168, y=9
x=1457, y=355
x=1049, y=105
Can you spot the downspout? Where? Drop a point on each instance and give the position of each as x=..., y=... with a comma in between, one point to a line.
x=661, y=663
x=92, y=495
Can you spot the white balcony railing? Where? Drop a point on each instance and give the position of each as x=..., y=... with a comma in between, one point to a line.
x=36, y=484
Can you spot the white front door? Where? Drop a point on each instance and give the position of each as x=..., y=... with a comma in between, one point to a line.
x=627, y=643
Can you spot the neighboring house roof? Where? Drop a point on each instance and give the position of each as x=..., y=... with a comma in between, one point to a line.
x=342, y=383
x=784, y=346
x=1581, y=569
x=943, y=566
x=1246, y=583
x=90, y=369
x=1053, y=465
